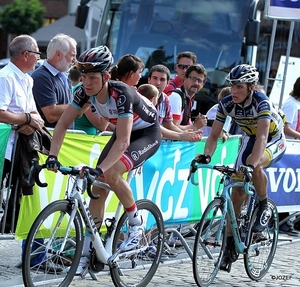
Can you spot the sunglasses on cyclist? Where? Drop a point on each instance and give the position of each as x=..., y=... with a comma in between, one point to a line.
x=86, y=66
x=182, y=67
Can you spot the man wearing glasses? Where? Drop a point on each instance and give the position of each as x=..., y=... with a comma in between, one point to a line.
x=17, y=106
x=184, y=60
x=182, y=99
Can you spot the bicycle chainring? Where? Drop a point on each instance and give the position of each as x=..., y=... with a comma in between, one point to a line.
x=95, y=265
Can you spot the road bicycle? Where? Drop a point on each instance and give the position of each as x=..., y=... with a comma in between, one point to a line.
x=54, y=244
x=258, y=249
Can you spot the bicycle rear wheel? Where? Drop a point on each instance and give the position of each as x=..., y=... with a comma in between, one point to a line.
x=51, y=255
x=209, y=244
x=261, y=246
x=137, y=267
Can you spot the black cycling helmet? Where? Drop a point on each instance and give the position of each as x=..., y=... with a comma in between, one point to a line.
x=97, y=59
x=243, y=74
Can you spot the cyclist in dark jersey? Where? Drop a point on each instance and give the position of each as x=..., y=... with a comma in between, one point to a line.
x=136, y=137
x=263, y=143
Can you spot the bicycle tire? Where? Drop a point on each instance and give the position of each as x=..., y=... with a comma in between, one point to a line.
x=137, y=267
x=51, y=253
x=208, y=248
x=261, y=247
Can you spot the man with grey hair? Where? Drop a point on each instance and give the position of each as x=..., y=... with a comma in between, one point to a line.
x=17, y=106
x=52, y=89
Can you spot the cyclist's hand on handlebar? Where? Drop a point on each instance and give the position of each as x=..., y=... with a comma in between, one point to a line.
x=202, y=158
x=52, y=163
x=248, y=171
x=250, y=168
x=93, y=171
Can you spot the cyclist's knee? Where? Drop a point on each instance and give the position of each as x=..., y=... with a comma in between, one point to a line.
x=100, y=191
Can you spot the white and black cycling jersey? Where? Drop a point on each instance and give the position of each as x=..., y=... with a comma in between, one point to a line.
x=122, y=101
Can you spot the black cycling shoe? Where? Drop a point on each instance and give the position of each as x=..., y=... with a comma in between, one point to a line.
x=225, y=264
x=262, y=218
x=229, y=255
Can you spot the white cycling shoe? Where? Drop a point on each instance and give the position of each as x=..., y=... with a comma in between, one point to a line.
x=82, y=266
x=132, y=240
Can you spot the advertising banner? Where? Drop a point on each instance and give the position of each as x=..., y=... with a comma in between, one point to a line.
x=4, y=135
x=162, y=179
x=283, y=9
x=284, y=179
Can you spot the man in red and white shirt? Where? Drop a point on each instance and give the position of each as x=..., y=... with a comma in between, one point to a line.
x=184, y=60
x=182, y=102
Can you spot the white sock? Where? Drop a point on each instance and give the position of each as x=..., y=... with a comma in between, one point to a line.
x=86, y=245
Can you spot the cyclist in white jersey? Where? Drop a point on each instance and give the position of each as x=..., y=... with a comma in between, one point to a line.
x=136, y=137
x=263, y=143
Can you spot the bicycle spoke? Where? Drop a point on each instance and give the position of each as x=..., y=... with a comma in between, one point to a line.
x=52, y=252
x=137, y=267
x=262, y=247
x=209, y=244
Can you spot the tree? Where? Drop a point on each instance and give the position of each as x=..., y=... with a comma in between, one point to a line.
x=22, y=17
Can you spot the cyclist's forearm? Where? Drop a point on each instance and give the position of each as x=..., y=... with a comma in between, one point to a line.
x=57, y=140
x=210, y=146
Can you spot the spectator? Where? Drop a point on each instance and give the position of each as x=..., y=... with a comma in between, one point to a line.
x=182, y=99
x=128, y=70
x=150, y=92
x=184, y=60
x=17, y=106
x=291, y=111
x=159, y=76
x=89, y=122
x=212, y=112
x=52, y=90
x=291, y=108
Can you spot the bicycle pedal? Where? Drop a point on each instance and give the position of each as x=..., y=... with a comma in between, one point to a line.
x=93, y=275
x=228, y=267
x=84, y=272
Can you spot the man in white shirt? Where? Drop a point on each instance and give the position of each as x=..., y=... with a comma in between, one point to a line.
x=291, y=108
x=182, y=101
x=17, y=106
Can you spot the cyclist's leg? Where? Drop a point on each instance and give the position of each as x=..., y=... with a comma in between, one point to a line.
x=238, y=197
x=97, y=209
x=137, y=267
x=143, y=144
x=273, y=152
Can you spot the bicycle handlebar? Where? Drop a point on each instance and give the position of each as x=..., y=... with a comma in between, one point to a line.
x=224, y=169
x=36, y=169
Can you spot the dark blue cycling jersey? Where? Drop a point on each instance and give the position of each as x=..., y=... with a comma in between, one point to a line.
x=248, y=115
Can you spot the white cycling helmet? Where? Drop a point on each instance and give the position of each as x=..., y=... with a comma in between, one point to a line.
x=243, y=74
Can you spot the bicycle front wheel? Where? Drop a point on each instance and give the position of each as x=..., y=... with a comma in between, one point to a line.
x=209, y=244
x=261, y=246
x=52, y=253
x=137, y=267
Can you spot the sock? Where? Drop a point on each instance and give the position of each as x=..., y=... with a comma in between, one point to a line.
x=263, y=197
x=133, y=215
x=86, y=245
x=263, y=203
